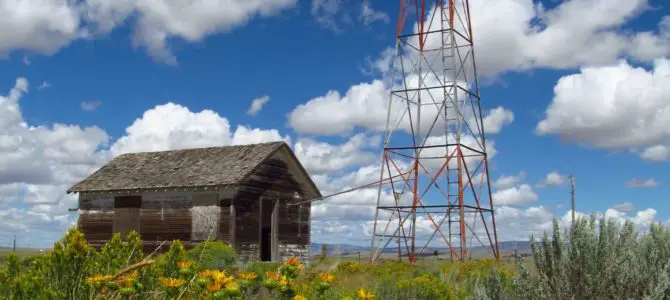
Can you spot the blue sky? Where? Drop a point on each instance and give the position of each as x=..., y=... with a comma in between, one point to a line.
x=106, y=72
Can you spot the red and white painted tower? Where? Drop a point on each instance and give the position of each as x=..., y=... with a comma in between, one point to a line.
x=434, y=182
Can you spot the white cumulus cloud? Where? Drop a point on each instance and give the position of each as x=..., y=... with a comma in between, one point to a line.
x=320, y=157
x=552, y=179
x=366, y=105
x=257, y=104
x=506, y=182
x=642, y=183
x=657, y=153
x=612, y=107
x=567, y=35
x=514, y=196
x=625, y=207
x=45, y=26
x=369, y=15
x=90, y=105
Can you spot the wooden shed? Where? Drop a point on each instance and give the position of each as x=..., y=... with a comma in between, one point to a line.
x=236, y=194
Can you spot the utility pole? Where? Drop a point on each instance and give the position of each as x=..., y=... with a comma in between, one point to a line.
x=14, y=244
x=572, y=194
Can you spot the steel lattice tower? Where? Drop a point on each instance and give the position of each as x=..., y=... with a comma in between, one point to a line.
x=434, y=171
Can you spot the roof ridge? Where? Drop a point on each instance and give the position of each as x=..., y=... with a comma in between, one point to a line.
x=204, y=148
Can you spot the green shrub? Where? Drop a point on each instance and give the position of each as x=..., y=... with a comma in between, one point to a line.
x=426, y=286
x=599, y=260
x=261, y=267
x=214, y=255
x=117, y=253
x=349, y=267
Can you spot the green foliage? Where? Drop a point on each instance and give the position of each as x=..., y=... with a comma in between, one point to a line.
x=213, y=255
x=594, y=259
x=600, y=260
x=349, y=267
x=169, y=261
x=12, y=262
x=425, y=286
x=261, y=267
x=116, y=253
x=67, y=265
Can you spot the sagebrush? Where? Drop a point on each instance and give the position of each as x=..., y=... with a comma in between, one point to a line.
x=593, y=259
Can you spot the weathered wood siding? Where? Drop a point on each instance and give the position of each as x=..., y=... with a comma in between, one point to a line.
x=205, y=215
x=189, y=217
x=247, y=209
x=294, y=231
x=273, y=179
x=226, y=215
x=96, y=219
x=127, y=214
x=166, y=217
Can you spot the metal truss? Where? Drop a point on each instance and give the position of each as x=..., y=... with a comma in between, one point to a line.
x=434, y=184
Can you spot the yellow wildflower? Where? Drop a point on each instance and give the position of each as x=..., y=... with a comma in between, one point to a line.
x=226, y=279
x=184, y=264
x=283, y=281
x=298, y=297
x=215, y=275
x=124, y=282
x=365, y=295
x=171, y=282
x=205, y=274
x=213, y=287
x=219, y=275
x=127, y=280
x=132, y=275
x=99, y=278
x=247, y=275
x=293, y=262
x=326, y=277
x=271, y=275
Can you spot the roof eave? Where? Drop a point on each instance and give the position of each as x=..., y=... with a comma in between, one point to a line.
x=200, y=188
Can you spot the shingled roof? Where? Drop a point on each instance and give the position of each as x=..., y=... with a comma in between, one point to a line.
x=198, y=167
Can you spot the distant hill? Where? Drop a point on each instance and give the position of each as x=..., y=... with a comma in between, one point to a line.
x=522, y=247
x=339, y=249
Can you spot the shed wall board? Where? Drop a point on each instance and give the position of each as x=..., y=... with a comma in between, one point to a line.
x=126, y=219
x=162, y=216
x=205, y=213
x=227, y=214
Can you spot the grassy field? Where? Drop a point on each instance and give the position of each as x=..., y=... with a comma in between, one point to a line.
x=593, y=260
x=21, y=253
